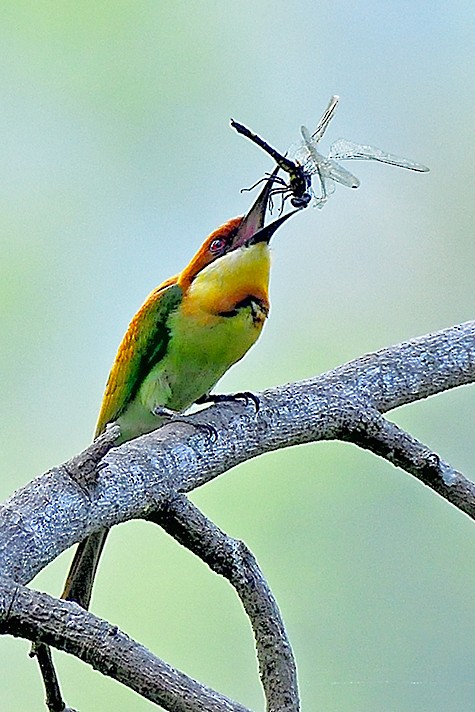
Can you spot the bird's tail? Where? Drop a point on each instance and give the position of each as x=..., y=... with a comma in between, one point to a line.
x=80, y=580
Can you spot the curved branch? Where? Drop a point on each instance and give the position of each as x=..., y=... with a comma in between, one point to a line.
x=142, y=476
x=373, y=432
x=67, y=626
x=55, y=510
x=232, y=559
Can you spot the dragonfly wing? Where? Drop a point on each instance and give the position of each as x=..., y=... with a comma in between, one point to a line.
x=325, y=167
x=344, y=150
x=305, y=153
x=299, y=152
x=310, y=141
x=326, y=188
x=331, y=169
x=311, y=159
x=325, y=119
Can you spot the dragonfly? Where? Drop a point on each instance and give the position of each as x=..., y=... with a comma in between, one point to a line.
x=309, y=162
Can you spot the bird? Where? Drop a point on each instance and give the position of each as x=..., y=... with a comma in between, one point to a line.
x=190, y=330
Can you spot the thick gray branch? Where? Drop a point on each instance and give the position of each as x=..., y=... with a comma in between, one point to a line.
x=140, y=477
x=232, y=559
x=56, y=510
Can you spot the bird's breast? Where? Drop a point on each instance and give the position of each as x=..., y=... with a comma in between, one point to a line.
x=219, y=318
x=236, y=280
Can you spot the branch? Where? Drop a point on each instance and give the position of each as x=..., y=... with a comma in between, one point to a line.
x=373, y=432
x=233, y=560
x=67, y=626
x=142, y=476
x=56, y=510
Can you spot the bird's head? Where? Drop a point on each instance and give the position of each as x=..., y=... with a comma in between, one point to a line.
x=230, y=242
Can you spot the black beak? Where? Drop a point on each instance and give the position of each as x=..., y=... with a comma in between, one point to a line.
x=265, y=233
x=252, y=229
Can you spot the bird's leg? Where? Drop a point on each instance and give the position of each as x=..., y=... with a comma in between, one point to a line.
x=175, y=416
x=246, y=396
x=161, y=412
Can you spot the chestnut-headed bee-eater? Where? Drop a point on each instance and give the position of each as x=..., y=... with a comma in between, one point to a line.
x=187, y=334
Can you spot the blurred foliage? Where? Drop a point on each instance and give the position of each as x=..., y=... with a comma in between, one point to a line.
x=116, y=162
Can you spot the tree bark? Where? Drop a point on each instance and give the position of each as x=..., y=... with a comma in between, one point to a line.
x=146, y=478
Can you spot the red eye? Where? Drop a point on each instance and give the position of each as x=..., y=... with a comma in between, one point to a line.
x=217, y=245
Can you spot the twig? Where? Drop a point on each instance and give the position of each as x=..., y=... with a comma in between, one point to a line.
x=83, y=468
x=233, y=560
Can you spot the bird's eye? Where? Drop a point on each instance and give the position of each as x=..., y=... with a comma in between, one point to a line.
x=217, y=245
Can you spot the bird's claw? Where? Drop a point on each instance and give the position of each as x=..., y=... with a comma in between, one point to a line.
x=175, y=417
x=161, y=412
x=208, y=429
x=246, y=396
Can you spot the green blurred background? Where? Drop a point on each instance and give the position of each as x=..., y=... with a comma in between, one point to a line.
x=116, y=161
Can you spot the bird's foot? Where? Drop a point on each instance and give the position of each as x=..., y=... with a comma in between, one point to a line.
x=161, y=412
x=173, y=416
x=246, y=396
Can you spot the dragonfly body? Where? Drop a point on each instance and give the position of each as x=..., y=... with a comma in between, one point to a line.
x=299, y=185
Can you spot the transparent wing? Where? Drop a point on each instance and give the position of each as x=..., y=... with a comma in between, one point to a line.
x=326, y=189
x=345, y=150
x=306, y=150
x=333, y=170
x=315, y=162
x=300, y=151
x=325, y=171
x=325, y=119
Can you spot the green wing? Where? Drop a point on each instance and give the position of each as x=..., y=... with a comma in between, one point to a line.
x=144, y=345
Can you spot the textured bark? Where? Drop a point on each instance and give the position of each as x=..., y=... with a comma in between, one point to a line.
x=144, y=478
x=232, y=559
x=25, y=613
